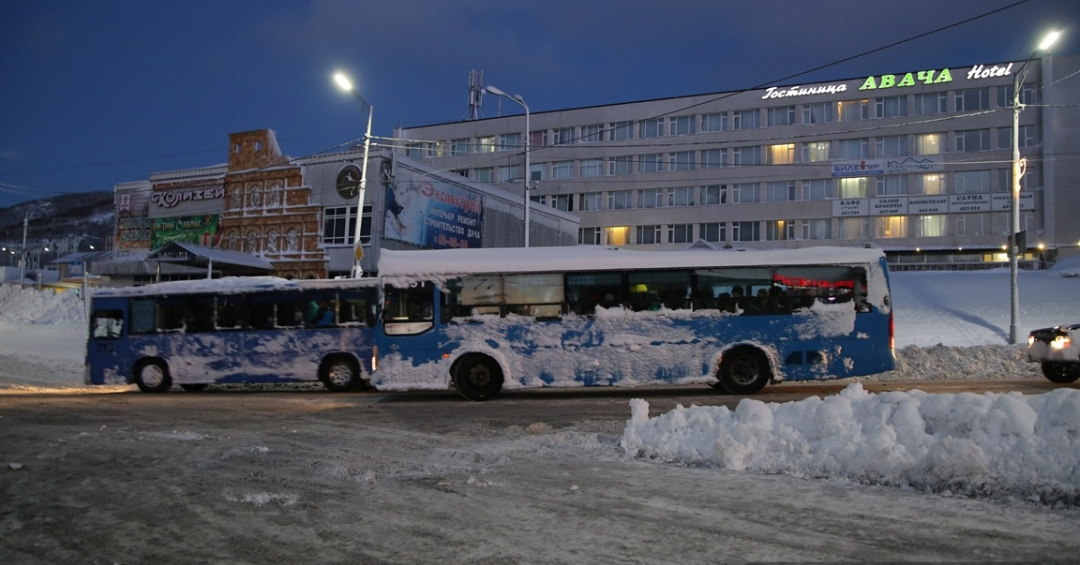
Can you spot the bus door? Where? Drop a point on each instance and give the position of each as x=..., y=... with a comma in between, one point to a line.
x=408, y=324
x=108, y=347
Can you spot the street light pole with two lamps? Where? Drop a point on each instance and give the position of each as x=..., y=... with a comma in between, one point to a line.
x=358, y=251
x=517, y=98
x=1018, y=167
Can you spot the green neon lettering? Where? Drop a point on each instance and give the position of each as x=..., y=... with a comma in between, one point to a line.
x=869, y=84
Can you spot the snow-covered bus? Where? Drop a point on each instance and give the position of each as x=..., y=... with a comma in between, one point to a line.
x=483, y=320
x=233, y=330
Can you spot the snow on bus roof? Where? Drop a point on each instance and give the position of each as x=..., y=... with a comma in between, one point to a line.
x=452, y=262
x=234, y=285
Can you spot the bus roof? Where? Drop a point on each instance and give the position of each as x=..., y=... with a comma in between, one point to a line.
x=443, y=263
x=234, y=285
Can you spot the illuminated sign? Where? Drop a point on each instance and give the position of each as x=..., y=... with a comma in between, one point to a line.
x=802, y=282
x=910, y=79
x=982, y=71
x=913, y=165
x=168, y=199
x=845, y=168
x=794, y=91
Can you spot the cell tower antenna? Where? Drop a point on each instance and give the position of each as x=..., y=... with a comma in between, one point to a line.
x=476, y=93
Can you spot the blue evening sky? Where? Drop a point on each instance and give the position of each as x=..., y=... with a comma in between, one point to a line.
x=108, y=91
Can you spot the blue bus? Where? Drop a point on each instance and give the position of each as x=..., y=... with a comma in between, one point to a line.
x=233, y=330
x=483, y=320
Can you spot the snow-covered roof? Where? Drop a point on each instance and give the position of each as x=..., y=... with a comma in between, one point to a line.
x=449, y=262
x=235, y=285
x=191, y=254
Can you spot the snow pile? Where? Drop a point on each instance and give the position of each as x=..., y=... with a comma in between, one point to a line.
x=997, y=445
x=29, y=305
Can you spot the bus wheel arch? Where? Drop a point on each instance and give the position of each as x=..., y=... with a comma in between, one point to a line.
x=340, y=372
x=152, y=375
x=744, y=369
x=477, y=376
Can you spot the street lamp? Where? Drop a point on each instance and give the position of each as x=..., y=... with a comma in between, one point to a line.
x=358, y=251
x=517, y=98
x=1018, y=167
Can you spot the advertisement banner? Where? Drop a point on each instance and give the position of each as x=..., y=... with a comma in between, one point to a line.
x=848, y=168
x=200, y=230
x=433, y=214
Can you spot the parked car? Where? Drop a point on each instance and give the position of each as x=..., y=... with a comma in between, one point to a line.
x=1058, y=350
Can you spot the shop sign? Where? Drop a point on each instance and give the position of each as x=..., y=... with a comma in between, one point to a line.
x=928, y=204
x=914, y=165
x=1002, y=201
x=982, y=71
x=796, y=91
x=850, y=207
x=845, y=168
x=892, y=206
x=969, y=203
x=910, y=79
x=170, y=198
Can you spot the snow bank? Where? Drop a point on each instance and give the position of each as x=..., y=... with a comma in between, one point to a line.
x=997, y=445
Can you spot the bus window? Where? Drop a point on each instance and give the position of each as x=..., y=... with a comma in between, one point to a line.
x=534, y=295
x=651, y=290
x=107, y=324
x=229, y=313
x=409, y=310
x=742, y=290
x=357, y=308
x=586, y=291
x=292, y=310
x=825, y=284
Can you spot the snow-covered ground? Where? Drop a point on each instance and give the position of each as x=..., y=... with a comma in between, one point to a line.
x=949, y=325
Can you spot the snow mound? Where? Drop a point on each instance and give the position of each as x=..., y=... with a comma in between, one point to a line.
x=30, y=305
x=988, y=445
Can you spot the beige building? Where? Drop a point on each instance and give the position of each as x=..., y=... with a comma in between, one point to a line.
x=918, y=163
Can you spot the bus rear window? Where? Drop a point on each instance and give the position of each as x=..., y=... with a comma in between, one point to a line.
x=107, y=324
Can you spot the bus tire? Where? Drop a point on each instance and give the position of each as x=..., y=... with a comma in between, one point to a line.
x=1061, y=373
x=744, y=370
x=340, y=373
x=152, y=375
x=196, y=387
x=478, y=377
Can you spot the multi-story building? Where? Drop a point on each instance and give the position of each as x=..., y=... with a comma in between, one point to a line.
x=918, y=163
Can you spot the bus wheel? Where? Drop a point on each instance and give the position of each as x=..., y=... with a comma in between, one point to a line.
x=478, y=377
x=195, y=387
x=1061, y=372
x=340, y=373
x=744, y=370
x=152, y=376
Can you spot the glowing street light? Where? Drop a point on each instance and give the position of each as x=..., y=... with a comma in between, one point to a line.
x=517, y=98
x=1018, y=167
x=358, y=251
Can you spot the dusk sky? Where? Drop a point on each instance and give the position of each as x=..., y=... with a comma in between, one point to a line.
x=103, y=92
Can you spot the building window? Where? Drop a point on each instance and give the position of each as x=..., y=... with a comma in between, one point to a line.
x=592, y=168
x=339, y=225
x=562, y=169
x=1028, y=136
x=930, y=103
x=651, y=163
x=779, y=230
x=854, y=228
x=820, y=113
x=929, y=184
x=853, y=187
x=929, y=143
x=745, y=119
x=888, y=227
x=538, y=138
x=651, y=198
x=745, y=193
x=680, y=233
x=891, y=106
x=619, y=200
x=485, y=175
x=682, y=125
x=1028, y=95
x=589, y=236
x=647, y=235
x=746, y=231
x=892, y=146
x=714, y=194
x=973, y=99
x=511, y=173
x=972, y=182
x=968, y=224
x=564, y=202
x=622, y=165
x=851, y=148
x=618, y=235
x=652, y=128
x=681, y=196
x=746, y=156
x=973, y=140
x=818, y=228
x=853, y=110
x=818, y=189
x=486, y=144
x=782, y=154
x=591, y=133
x=780, y=191
x=562, y=136
x=591, y=201
x=782, y=116
x=621, y=131
x=509, y=141
x=459, y=147
x=815, y=151
x=714, y=122
x=932, y=225
x=682, y=161
x=712, y=232
x=891, y=185
x=713, y=158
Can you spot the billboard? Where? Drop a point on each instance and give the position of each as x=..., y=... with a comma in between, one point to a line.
x=432, y=214
x=200, y=230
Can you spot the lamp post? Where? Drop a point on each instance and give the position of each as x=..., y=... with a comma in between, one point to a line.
x=1018, y=167
x=358, y=250
x=517, y=98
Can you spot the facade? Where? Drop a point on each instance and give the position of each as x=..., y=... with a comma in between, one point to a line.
x=916, y=163
x=300, y=215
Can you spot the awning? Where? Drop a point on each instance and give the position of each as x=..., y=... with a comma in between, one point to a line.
x=229, y=262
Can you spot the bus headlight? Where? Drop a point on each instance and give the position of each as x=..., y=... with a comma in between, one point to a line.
x=1031, y=340
x=1060, y=342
